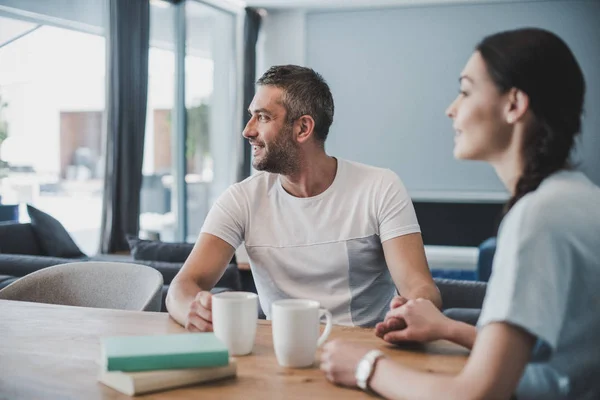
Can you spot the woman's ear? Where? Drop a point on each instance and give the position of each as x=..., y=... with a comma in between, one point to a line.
x=304, y=128
x=517, y=105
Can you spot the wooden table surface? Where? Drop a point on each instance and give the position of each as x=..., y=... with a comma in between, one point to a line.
x=52, y=352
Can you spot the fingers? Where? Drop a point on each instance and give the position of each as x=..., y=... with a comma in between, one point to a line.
x=202, y=306
x=398, y=313
x=397, y=301
x=200, y=314
x=398, y=336
x=325, y=361
x=388, y=325
x=197, y=324
x=205, y=299
x=338, y=363
x=380, y=329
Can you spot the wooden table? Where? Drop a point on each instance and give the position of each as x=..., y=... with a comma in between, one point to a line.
x=52, y=352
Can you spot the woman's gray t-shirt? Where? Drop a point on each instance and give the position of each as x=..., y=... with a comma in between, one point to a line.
x=546, y=280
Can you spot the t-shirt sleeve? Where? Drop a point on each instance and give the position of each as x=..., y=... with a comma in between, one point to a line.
x=227, y=217
x=395, y=213
x=531, y=277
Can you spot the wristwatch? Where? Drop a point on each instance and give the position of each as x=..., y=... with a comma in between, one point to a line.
x=366, y=367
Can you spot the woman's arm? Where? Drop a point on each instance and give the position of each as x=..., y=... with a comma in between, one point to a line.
x=461, y=333
x=493, y=370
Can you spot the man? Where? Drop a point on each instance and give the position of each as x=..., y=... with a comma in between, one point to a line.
x=314, y=226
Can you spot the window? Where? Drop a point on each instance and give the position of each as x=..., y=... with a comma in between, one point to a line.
x=52, y=101
x=211, y=135
x=156, y=217
x=210, y=109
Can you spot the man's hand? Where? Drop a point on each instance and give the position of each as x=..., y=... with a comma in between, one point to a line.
x=199, y=317
x=339, y=360
x=391, y=324
x=423, y=321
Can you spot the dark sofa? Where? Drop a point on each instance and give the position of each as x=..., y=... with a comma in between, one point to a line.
x=21, y=253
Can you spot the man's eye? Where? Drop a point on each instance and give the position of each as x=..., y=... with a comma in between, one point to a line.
x=262, y=117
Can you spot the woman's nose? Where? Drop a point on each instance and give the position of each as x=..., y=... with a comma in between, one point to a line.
x=451, y=110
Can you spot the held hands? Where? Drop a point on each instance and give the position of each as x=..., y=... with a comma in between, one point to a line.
x=391, y=324
x=416, y=320
x=199, y=317
x=339, y=360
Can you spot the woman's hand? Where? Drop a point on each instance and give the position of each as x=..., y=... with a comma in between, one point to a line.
x=423, y=322
x=339, y=360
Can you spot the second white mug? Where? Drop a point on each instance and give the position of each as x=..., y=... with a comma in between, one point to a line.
x=296, y=326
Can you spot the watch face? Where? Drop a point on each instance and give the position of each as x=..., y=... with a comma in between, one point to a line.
x=363, y=369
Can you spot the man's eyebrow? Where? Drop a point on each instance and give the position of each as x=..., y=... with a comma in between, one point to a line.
x=259, y=110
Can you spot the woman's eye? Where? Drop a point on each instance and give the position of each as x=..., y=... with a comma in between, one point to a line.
x=462, y=93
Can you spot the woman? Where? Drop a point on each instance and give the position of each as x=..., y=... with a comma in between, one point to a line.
x=538, y=336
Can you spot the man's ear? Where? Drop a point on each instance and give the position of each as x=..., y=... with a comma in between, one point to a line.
x=304, y=128
x=516, y=106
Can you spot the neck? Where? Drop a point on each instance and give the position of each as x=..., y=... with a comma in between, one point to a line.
x=316, y=173
x=509, y=165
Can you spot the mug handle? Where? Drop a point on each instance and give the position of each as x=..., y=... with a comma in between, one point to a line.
x=328, y=325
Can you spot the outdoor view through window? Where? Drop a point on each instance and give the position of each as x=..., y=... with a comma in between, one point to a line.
x=52, y=118
x=52, y=100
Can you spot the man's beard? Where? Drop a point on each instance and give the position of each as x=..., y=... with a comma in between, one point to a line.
x=281, y=156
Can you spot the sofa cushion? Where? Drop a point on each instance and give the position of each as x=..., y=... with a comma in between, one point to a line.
x=155, y=250
x=6, y=280
x=21, y=265
x=18, y=238
x=54, y=238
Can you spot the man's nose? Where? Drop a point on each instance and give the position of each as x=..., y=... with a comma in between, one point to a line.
x=249, y=131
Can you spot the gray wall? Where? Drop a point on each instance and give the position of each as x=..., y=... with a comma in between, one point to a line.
x=393, y=72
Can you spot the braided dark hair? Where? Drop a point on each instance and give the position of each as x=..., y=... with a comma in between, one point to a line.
x=541, y=65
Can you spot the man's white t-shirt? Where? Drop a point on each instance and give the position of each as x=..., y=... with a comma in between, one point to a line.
x=546, y=280
x=327, y=247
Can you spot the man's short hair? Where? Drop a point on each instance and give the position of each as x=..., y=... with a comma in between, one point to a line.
x=305, y=92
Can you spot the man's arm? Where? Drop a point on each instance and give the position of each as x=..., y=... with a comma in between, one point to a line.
x=405, y=257
x=200, y=272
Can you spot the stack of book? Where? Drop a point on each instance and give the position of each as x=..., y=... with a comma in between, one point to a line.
x=140, y=364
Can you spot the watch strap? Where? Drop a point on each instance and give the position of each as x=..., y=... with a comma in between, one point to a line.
x=371, y=357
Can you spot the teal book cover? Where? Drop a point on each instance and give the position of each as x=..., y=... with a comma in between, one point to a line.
x=147, y=353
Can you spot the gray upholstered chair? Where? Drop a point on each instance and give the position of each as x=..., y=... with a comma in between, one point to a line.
x=462, y=300
x=113, y=285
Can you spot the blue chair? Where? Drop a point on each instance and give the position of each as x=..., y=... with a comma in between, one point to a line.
x=9, y=212
x=487, y=249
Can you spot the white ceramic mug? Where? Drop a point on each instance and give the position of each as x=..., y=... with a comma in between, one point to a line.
x=234, y=318
x=296, y=326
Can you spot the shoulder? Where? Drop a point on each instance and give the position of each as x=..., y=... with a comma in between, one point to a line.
x=562, y=202
x=248, y=190
x=256, y=182
x=369, y=173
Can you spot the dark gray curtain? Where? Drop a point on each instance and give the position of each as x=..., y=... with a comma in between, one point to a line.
x=128, y=40
x=251, y=29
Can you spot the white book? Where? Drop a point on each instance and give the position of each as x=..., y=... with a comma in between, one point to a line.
x=134, y=383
